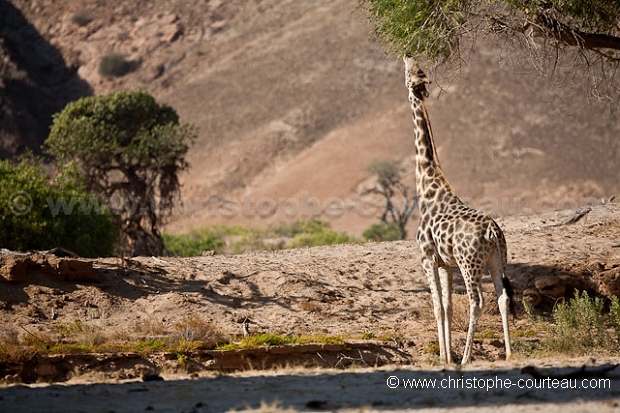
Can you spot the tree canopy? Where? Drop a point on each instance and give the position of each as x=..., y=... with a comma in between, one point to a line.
x=130, y=150
x=436, y=29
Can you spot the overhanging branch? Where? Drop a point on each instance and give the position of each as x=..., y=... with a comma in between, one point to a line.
x=545, y=25
x=575, y=37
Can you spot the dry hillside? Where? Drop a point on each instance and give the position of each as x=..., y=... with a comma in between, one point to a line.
x=293, y=102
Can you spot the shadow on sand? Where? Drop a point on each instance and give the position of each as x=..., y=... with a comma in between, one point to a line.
x=489, y=390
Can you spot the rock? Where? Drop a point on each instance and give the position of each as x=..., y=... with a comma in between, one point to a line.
x=21, y=268
x=218, y=26
x=14, y=268
x=532, y=297
x=168, y=18
x=609, y=282
x=153, y=72
x=215, y=4
x=551, y=285
x=170, y=32
x=73, y=269
x=46, y=370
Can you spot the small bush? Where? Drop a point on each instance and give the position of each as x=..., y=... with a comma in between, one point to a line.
x=310, y=306
x=267, y=339
x=236, y=239
x=432, y=347
x=195, y=329
x=114, y=65
x=384, y=232
x=81, y=19
x=39, y=213
x=614, y=316
x=318, y=233
x=192, y=244
x=580, y=325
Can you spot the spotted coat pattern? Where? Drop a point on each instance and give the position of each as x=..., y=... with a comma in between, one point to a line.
x=451, y=234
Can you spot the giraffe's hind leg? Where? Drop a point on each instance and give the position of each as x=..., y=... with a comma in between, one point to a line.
x=497, y=272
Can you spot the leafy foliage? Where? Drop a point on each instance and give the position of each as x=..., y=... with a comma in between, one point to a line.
x=580, y=325
x=129, y=150
x=384, y=232
x=614, y=316
x=30, y=220
x=313, y=233
x=236, y=239
x=429, y=28
x=435, y=28
x=192, y=244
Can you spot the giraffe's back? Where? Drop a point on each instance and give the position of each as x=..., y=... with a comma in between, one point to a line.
x=462, y=235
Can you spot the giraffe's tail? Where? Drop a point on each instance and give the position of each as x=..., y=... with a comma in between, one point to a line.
x=510, y=292
x=494, y=232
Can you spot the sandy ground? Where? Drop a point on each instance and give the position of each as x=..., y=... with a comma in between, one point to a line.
x=483, y=387
x=350, y=290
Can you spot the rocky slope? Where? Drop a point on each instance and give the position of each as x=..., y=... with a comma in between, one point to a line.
x=293, y=102
x=35, y=82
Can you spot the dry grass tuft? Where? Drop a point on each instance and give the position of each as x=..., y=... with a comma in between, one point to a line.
x=150, y=327
x=192, y=329
x=310, y=306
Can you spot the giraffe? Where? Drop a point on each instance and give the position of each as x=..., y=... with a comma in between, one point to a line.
x=451, y=234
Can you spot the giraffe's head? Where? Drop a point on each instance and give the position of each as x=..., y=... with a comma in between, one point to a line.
x=415, y=79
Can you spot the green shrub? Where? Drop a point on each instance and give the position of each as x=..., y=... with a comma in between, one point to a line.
x=384, y=232
x=81, y=19
x=614, y=316
x=579, y=325
x=114, y=65
x=314, y=233
x=309, y=226
x=237, y=239
x=267, y=339
x=192, y=244
x=40, y=214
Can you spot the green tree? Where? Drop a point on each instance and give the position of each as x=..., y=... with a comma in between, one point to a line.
x=436, y=29
x=129, y=150
x=38, y=213
x=400, y=201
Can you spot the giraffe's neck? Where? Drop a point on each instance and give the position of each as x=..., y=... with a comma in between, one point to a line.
x=430, y=180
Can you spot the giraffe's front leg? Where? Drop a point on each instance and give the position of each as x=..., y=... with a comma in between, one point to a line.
x=445, y=282
x=429, y=265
